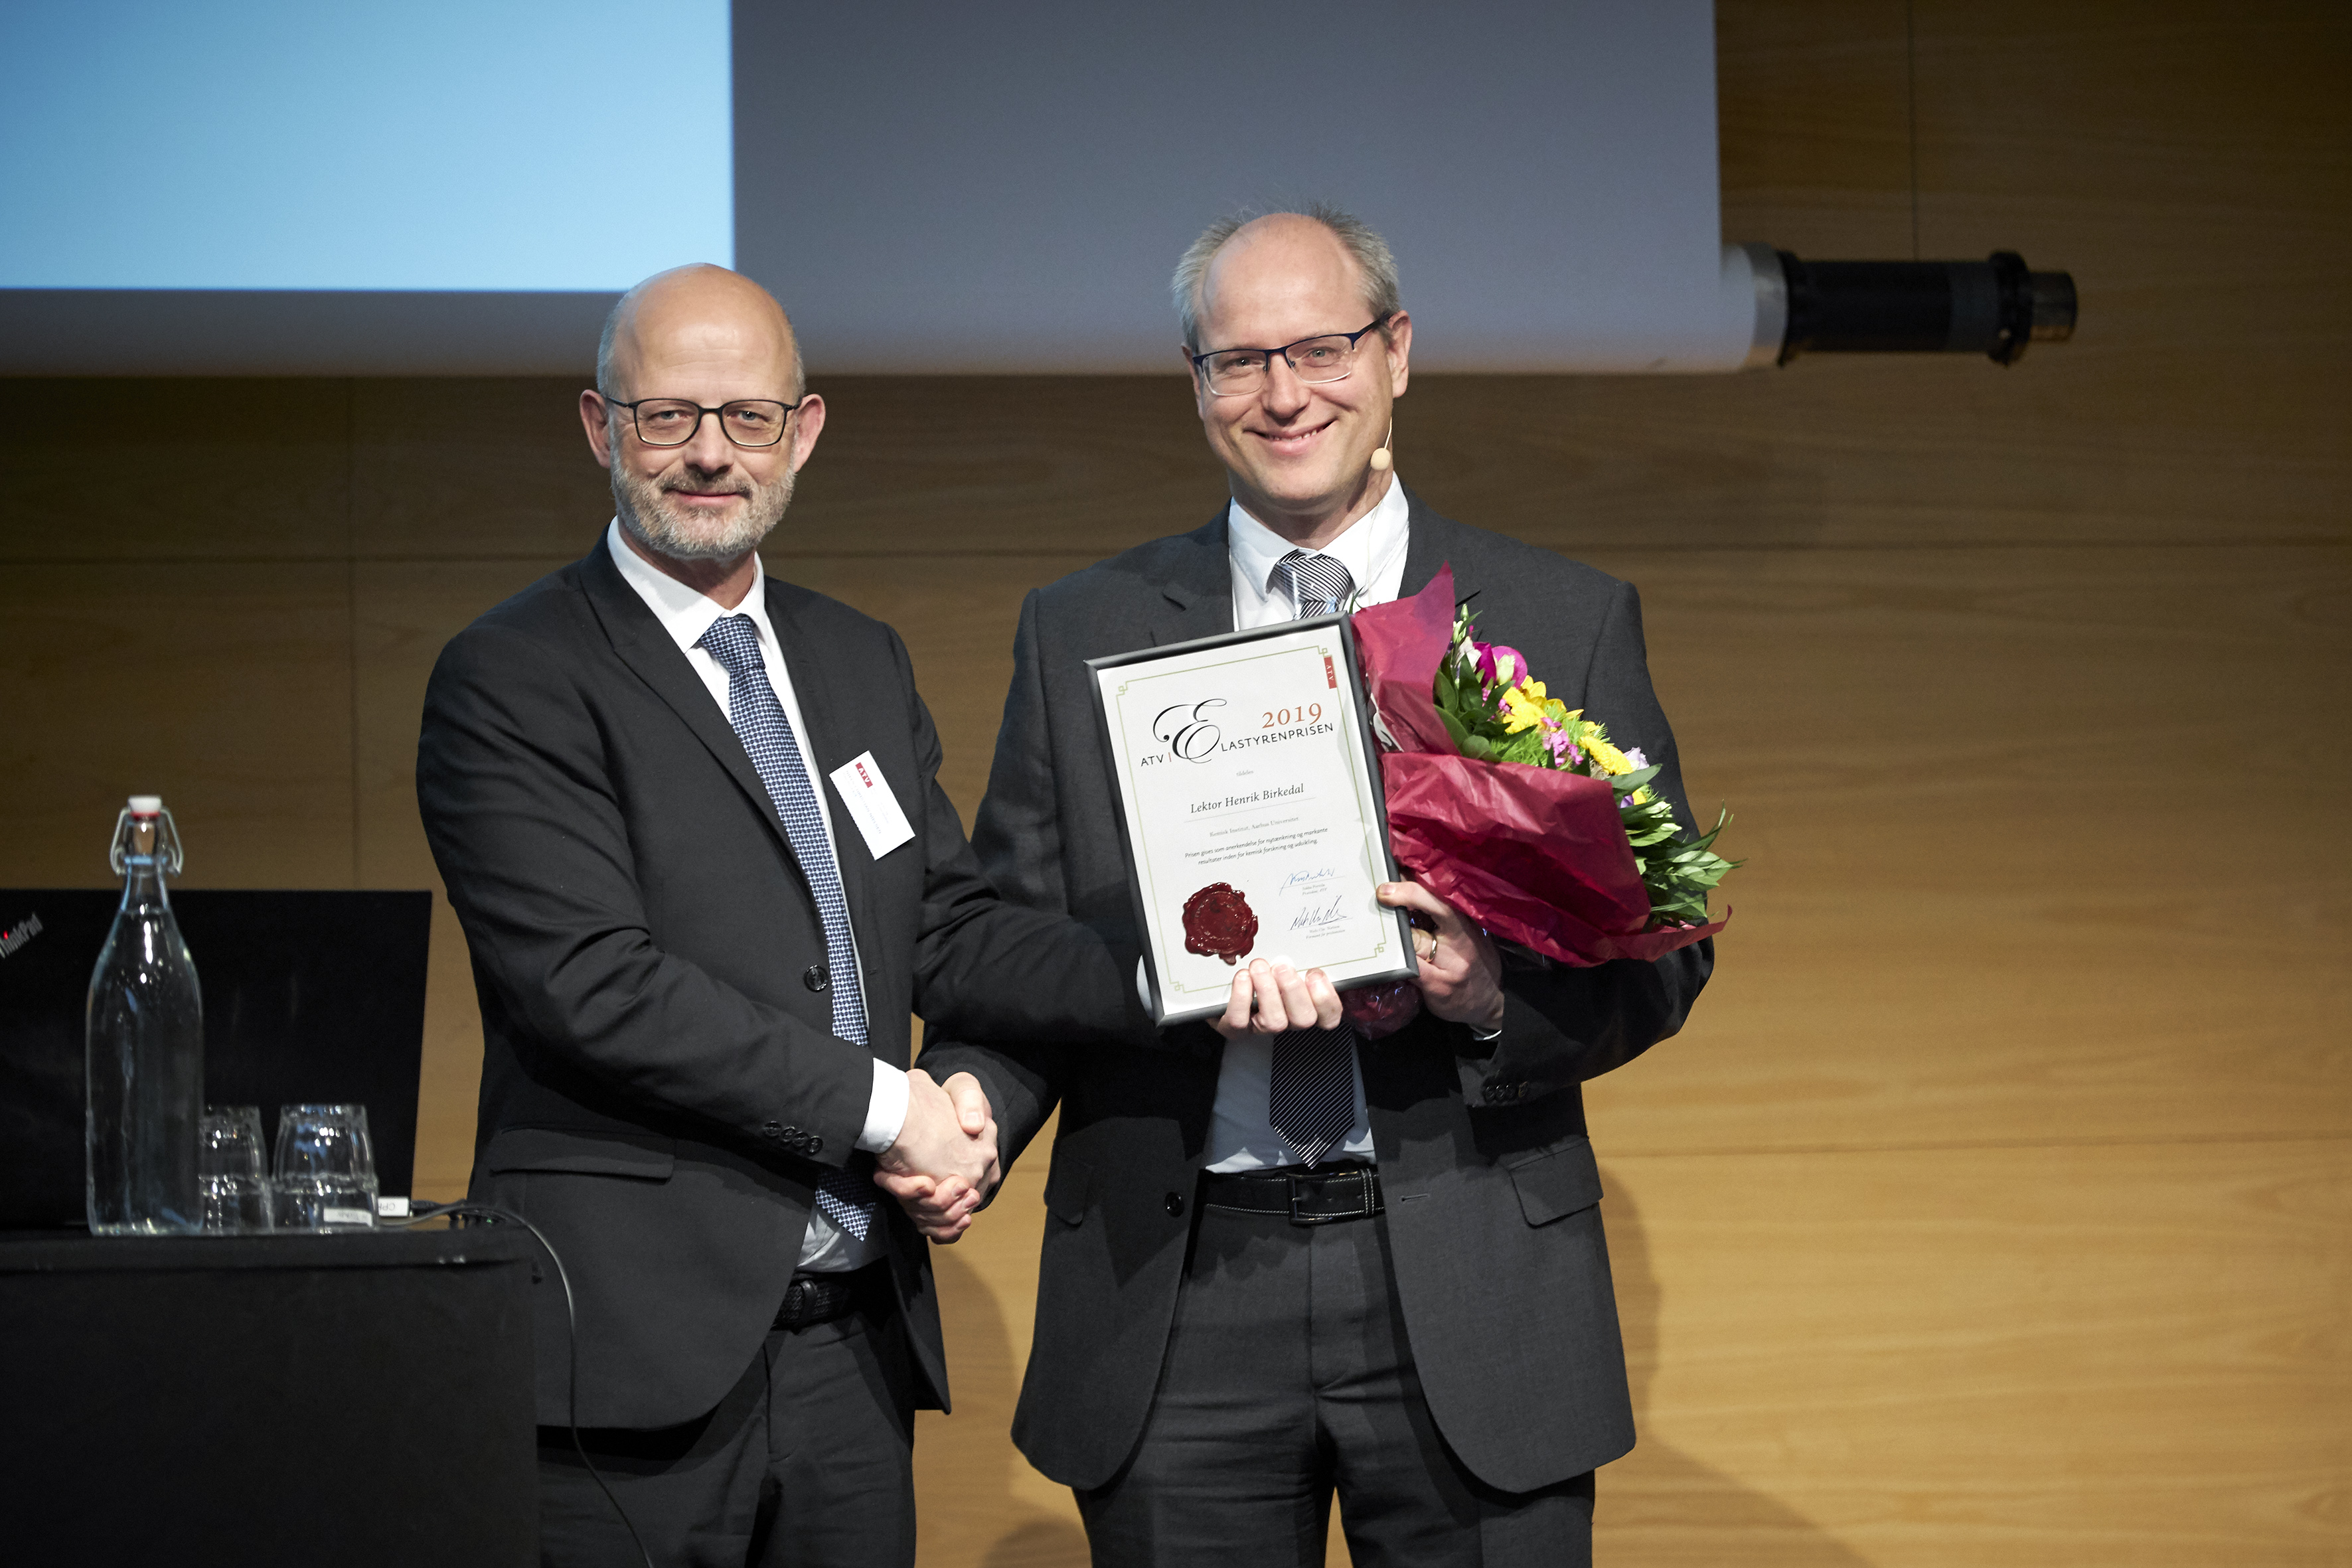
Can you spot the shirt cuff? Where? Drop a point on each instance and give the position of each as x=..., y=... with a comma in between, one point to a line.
x=1483, y=1036
x=886, y=1112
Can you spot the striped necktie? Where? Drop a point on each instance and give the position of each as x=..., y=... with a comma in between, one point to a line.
x=1311, y=1089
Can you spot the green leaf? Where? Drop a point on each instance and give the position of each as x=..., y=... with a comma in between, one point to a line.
x=1476, y=746
x=1679, y=869
x=1722, y=821
x=1626, y=784
x=1461, y=736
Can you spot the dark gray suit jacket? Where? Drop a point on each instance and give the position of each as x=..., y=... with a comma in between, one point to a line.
x=1499, y=1260
x=661, y=1087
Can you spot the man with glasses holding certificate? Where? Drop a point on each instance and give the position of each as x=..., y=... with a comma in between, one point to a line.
x=1275, y=1267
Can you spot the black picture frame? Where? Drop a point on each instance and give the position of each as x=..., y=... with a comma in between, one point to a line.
x=1359, y=733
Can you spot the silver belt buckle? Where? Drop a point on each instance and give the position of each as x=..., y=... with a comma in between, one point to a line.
x=1363, y=1176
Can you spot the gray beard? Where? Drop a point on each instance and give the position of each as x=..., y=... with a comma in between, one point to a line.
x=646, y=513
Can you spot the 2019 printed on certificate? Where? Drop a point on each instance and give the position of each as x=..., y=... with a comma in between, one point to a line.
x=1249, y=791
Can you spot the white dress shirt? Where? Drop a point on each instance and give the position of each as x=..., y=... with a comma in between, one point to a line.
x=687, y=615
x=1241, y=1132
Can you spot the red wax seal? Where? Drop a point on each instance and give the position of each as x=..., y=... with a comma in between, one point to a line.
x=1218, y=920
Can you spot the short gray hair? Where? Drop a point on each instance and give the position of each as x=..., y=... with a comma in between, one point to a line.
x=613, y=320
x=1374, y=262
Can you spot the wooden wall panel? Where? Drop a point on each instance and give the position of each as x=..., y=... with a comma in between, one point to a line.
x=225, y=688
x=220, y=469
x=2058, y=1355
x=2185, y=161
x=458, y=468
x=1813, y=125
x=2188, y=161
x=2003, y=883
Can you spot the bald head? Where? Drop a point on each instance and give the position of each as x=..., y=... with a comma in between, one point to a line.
x=1279, y=257
x=1321, y=245
x=693, y=315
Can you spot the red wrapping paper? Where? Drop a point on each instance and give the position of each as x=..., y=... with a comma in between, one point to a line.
x=1400, y=645
x=1536, y=855
x=1380, y=1009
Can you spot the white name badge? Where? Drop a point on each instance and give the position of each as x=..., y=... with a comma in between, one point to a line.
x=871, y=805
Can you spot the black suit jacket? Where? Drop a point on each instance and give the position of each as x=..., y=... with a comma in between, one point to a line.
x=1491, y=1186
x=661, y=1088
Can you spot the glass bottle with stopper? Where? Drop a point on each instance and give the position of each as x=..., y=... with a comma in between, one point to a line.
x=145, y=1054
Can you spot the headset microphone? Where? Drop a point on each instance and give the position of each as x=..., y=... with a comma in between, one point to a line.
x=1381, y=458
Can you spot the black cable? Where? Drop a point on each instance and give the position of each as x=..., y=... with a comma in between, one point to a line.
x=495, y=1215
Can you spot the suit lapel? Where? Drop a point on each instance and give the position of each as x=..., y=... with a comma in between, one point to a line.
x=1430, y=543
x=1197, y=595
x=642, y=644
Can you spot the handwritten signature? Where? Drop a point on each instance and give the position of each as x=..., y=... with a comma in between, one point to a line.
x=1306, y=878
x=1333, y=914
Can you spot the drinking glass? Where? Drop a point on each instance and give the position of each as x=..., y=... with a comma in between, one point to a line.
x=326, y=1168
x=234, y=1192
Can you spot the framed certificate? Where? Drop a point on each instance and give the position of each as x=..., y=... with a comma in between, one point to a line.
x=1249, y=793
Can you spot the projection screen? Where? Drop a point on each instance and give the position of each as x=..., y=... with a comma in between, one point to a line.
x=436, y=187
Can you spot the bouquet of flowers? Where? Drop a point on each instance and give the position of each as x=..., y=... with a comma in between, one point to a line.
x=1517, y=810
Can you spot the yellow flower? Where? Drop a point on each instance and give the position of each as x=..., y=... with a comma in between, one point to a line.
x=1523, y=706
x=1610, y=759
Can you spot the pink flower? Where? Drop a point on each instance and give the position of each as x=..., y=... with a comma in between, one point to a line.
x=1504, y=666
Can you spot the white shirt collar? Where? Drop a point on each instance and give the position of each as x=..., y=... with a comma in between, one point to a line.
x=1368, y=545
x=686, y=612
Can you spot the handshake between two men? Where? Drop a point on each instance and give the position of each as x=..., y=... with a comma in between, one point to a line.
x=946, y=1161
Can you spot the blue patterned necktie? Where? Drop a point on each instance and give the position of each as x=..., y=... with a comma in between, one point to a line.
x=845, y=1198
x=1311, y=1086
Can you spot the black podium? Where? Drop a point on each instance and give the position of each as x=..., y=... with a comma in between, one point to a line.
x=303, y=1399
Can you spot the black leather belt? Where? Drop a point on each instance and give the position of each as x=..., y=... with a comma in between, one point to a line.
x=812, y=1299
x=1318, y=1196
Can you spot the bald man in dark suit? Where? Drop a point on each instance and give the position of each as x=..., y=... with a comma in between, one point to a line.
x=690, y=818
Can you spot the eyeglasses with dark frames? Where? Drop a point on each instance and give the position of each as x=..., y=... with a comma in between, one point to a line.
x=672, y=421
x=1232, y=373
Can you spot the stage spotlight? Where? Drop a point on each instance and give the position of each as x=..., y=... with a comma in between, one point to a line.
x=1995, y=307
